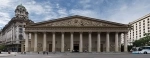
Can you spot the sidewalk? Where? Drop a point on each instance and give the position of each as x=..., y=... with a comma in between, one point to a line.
x=4, y=54
x=68, y=53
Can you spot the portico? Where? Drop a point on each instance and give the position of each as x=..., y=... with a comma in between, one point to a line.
x=75, y=33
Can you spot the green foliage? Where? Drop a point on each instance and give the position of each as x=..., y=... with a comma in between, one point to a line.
x=2, y=47
x=143, y=41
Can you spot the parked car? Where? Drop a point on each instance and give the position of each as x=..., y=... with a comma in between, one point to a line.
x=141, y=50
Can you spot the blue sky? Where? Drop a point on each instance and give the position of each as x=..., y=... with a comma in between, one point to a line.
x=122, y=11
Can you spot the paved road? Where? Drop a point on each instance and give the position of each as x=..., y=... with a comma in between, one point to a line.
x=81, y=55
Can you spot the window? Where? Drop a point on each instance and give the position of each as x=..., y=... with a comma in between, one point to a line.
x=140, y=35
x=143, y=23
x=144, y=32
x=20, y=37
x=20, y=26
x=148, y=30
x=20, y=30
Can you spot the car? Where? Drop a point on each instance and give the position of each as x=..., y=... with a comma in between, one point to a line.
x=141, y=50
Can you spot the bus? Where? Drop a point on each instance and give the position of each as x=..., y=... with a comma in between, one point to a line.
x=141, y=50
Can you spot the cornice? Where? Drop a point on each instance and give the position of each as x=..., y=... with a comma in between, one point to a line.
x=80, y=29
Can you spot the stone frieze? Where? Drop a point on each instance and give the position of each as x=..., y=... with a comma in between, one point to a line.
x=77, y=22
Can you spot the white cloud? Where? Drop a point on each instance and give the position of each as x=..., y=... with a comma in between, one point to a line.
x=4, y=18
x=88, y=13
x=127, y=13
x=39, y=11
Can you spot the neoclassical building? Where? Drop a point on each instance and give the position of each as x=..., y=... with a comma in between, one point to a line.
x=12, y=34
x=78, y=33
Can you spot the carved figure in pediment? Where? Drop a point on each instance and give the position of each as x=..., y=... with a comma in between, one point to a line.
x=77, y=22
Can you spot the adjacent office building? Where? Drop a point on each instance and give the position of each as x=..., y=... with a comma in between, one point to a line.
x=139, y=28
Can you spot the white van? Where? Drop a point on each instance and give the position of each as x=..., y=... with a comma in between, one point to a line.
x=141, y=50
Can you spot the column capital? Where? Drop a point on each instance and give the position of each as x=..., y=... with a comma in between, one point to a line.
x=108, y=32
x=44, y=32
x=116, y=32
x=98, y=32
x=62, y=32
x=80, y=32
x=53, y=32
x=90, y=32
x=71, y=32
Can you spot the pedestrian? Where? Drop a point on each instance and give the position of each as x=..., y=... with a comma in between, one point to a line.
x=9, y=52
x=0, y=51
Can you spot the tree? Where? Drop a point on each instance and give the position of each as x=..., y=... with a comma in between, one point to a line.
x=143, y=41
x=2, y=47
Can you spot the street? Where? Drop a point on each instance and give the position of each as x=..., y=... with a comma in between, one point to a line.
x=81, y=55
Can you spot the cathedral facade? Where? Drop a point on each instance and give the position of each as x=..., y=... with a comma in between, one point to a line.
x=73, y=33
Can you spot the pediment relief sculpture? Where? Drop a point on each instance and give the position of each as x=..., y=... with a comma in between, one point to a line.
x=77, y=22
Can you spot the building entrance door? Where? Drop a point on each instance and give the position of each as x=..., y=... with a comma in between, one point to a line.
x=50, y=47
x=76, y=47
x=101, y=47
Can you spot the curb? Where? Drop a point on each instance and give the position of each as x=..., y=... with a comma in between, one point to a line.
x=5, y=55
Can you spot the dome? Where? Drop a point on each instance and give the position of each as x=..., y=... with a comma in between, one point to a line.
x=20, y=6
x=21, y=11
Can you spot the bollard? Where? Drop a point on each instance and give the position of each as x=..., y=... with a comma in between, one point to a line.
x=47, y=53
x=24, y=52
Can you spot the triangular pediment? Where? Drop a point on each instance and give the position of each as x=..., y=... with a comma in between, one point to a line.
x=77, y=21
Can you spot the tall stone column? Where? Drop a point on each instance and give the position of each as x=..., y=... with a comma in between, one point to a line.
x=62, y=42
x=81, y=43
x=44, y=41
x=71, y=42
x=26, y=42
x=125, y=42
x=35, y=42
x=90, y=42
x=53, y=42
x=116, y=42
x=98, y=42
x=107, y=42
x=30, y=35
